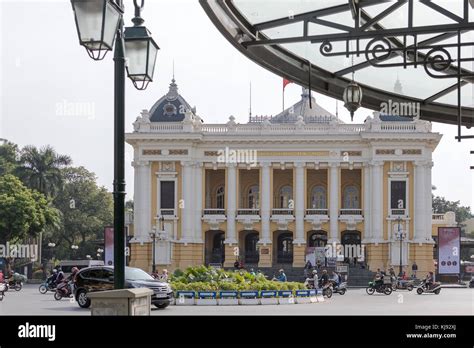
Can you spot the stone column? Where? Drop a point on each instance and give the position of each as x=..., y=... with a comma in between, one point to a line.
x=187, y=194
x=231, y=203
x=377, y=193
x=428, y=201
x=265, y=202
x=299, y=203
x=198, y=187
x=367, y=205
x=334, y=203
x=142, y=201
x=420, y=204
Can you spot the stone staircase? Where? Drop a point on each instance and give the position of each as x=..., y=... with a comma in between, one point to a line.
x=359, y=276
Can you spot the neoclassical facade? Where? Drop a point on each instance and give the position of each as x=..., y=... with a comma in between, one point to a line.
x=269, y=190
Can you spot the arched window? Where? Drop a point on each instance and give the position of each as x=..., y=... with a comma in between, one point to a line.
x=318, y=239
x=286, y=194
x=351, y=197
x=318, y=198
x=253, y=197
x=220, y=197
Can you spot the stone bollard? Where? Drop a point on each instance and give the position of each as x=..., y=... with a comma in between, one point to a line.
x=121, y=302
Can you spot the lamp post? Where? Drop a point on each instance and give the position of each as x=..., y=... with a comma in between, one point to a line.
x=400, y=236
x=99, y=26
x=74, y=249
x=153, y=238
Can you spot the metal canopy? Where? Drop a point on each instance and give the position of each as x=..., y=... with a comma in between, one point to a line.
x=401, y=50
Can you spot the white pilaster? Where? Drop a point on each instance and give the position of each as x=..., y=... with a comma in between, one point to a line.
x=420, y=204
x=428, y=202
x=367, y=205
x=265, y=202
x=186, y=216
x=198, y=187
x=377, y=193
x=299, y=203
x=142, y=201
x=334, y=203
x=231, y=203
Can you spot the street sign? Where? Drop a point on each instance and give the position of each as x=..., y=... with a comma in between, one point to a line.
x=215, y=265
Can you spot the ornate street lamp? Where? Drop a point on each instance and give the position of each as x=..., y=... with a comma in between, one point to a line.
x=400, y=236
x=141, y=51
x=352, y=97
x=97, y=22
x=100, y=28
x=153, y=238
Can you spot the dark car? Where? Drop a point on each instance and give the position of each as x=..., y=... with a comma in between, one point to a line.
x=101, y=278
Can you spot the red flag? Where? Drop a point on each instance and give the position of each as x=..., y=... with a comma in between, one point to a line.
x=286, y=82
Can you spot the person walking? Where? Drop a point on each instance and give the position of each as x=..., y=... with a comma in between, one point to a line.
x=307, y=268
x=414, y=268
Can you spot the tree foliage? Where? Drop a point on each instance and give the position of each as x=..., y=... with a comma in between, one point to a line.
x=441, y=206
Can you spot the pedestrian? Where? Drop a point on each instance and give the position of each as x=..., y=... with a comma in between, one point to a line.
x=2, y=277
x=164, y=275
x=414, y=268
x=281, y=276
x=318, y=264
x=307, y=268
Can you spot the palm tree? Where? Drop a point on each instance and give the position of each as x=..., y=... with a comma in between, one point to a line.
x=41, y=169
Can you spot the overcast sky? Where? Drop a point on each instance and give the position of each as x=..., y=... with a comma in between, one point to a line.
x=43, y=68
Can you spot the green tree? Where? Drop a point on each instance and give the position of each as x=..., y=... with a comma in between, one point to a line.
x=40, y=169
x=9, y=155
x=86, y=209
x=23, y=212
x=441, y=206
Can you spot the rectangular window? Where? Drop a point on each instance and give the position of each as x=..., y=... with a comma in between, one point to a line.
x=167, y=194
x=398, y=194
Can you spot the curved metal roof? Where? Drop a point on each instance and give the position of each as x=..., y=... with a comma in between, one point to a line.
x=303, y=40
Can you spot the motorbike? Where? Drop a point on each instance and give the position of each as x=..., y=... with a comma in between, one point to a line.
x=2, y=290
x=17, y=285
x=339, y=289
x=404, y=285
x=379, y=287
x=62, y=290
x=48, y=285
x=434, y=288
x=471, y=283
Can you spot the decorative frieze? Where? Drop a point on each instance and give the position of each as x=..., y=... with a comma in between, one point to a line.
x=178, y=152
x=385, y=151
x=151, y=152
x=211, y=153
x=411, y=151
x=292, y=153
x=351, y=153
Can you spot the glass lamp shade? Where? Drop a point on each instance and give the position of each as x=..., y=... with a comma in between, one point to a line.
x=141, y=51
x=97, y=22
x=352, y=97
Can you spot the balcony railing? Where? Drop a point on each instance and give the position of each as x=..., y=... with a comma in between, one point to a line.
x=350, y=212
x=397, y=212
x=316, y=212
x=248, y=212
x=437, y=217
x=212, y=211
x=282, y=211
x=167, y=212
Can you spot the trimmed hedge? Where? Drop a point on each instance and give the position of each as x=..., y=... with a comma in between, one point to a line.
x=204, y=278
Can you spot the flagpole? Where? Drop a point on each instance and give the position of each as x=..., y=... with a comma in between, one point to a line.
x=283, y=96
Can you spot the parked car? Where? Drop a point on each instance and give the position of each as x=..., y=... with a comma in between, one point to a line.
x=67, y=265
x=101, y=278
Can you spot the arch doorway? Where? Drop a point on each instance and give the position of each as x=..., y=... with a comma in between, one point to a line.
x=351, y=241
x=284, y=247
x=215, y=251
x=318, y=238
x=251, y=248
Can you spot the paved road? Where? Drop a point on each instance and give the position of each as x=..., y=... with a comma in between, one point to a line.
x=356, y=302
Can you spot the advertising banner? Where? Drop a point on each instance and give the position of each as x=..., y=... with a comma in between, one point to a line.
x=449, y=239
x=109, y=246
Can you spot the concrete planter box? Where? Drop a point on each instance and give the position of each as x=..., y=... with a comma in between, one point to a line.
x=185, y=298
x=269, y=297
x=132, y=302
x=228, y=298
x=249, y=298
x=286, y=297
x=206, y=298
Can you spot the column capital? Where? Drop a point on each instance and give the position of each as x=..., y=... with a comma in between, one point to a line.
x=374, y=163
x=334, y=164
x=299, y=164
x=265, y=164
x=231, y=165
x=187, y=163
x=198, y=164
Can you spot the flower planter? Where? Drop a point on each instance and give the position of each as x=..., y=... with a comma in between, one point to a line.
x=268, y=297
x=185, y=298
x=228, y=298
x=302, y=296
x=206, y=298
x=249, y=298
x=286, y=297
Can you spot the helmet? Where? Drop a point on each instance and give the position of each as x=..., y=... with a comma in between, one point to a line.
x=55, y=270
x=315, y=272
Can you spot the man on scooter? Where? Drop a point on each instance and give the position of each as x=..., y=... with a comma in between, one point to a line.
x=429, y=280
x=324, y=279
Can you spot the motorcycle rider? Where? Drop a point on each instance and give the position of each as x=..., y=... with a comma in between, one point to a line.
x=71, y=279
x=311, y=282
x=2, y=277
x=429, y=280
x=324, y=279
x=51, y=280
